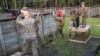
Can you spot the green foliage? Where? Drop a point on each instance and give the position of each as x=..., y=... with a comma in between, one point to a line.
x=78, y=2
x=64, y=47
x=61, y=3
x=98, y=53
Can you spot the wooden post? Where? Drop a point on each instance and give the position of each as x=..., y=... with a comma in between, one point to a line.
x=55, y=3
x=41, y=17
x=2, y=42
x=3, y=3
x=15, y=4
x=6, y=4
x=83, y=5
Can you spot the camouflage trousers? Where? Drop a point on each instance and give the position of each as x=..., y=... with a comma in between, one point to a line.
x=73, y=24
x=83, y=21
x=30, y=41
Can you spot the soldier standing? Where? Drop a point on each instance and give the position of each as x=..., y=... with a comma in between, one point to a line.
x=84, y=17
x=60, y=21
x=29, y=32
x=77, y=17
x=73, y=18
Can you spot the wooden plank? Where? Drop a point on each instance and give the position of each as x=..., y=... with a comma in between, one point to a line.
x=9, y=31
x=2, y=41
x=13, y=49
x=53, y=26
x=9, y=36
x=1, y=51
x=80, y=29
x=8, y=24
x=10, y=40
x=5, y=16
x=78, y=41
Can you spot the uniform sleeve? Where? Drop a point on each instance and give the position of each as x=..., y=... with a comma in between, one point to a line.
x=36, y=18
x=19, y=20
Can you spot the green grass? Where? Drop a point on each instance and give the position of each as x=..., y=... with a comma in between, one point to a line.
x=64, y=47
x=93, y=22
x=98, y=53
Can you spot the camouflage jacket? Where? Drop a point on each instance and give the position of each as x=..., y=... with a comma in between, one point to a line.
x=28, y=25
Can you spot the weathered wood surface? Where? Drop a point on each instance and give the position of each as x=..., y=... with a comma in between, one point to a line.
x=1, y=43
x=5, y=16
x=80, y=29
x=9, y=36
x=49, y=24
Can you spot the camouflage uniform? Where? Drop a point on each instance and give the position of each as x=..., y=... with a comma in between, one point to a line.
x=73, y=18
x=30, y=35
x=77, y=18
x=60, y=22
x=84, y=17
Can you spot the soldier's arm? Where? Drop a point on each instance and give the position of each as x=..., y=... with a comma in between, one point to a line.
x=36, y=18
x=55, y=17
x=19, y=20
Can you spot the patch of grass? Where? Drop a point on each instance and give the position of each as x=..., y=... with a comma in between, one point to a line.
x=64, y=47
x=98, y=53
x=93, y=22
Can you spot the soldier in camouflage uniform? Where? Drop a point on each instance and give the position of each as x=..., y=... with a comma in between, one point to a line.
x=77, y=17
x=29, y=32
x=84, y=17
x=75, y=14
x=73, y=18
x=60, y=21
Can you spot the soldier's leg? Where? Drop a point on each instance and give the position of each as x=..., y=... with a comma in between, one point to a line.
x=25, y=46
x=85, y=21
x=77, y=22
x=54, y=36
x=61, y=32
x=42, y=39
x=82, y=21
x=74, y=24
x=34, y=45
x=71, y=23
x=53, y=42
